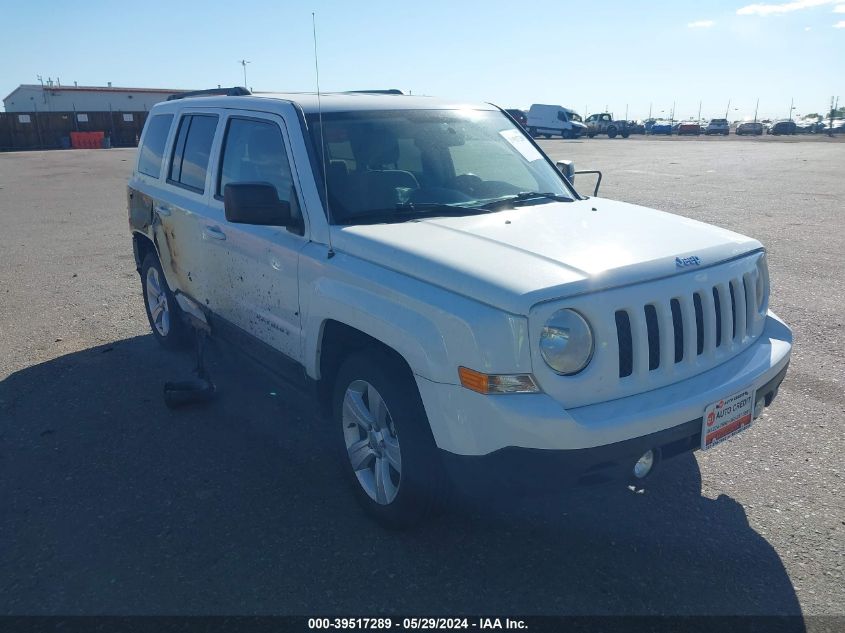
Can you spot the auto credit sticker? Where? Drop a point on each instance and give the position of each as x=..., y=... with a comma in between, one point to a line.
x=521, y=144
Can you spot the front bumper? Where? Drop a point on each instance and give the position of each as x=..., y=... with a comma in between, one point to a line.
x=530, y=470
x=467, y=423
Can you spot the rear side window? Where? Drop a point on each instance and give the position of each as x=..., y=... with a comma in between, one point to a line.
x=192, y=151
x=254, y=151
x=152, y=149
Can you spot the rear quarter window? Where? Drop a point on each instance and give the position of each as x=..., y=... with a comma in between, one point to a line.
x=152, y=149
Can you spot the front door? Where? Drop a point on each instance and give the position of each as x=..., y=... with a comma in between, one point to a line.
x=257, y=266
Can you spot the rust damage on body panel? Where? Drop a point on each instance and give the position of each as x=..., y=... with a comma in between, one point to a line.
x=140, y=209
x=169, y=253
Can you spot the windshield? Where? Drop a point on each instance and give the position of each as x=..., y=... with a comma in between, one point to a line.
x=575, y=117
x=398, y=164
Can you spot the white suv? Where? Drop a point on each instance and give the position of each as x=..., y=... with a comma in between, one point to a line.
x=467, y=315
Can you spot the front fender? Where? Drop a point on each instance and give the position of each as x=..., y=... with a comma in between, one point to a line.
x=433, y=329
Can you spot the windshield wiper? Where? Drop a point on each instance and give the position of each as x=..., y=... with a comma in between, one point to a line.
x=522, y=197
x=411, y=211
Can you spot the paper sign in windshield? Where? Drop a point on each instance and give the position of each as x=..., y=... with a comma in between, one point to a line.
x=521, y=144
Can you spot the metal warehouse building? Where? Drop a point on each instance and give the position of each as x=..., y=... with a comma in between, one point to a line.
x=47, y=116
x=55, y=98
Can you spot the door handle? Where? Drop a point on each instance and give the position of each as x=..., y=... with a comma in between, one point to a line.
x=162, y=209
x=214, y=233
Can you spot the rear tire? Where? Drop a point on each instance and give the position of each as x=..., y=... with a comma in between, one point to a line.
x=533, y=132
x=379, y=417
x=163, y=313
x=611, y=132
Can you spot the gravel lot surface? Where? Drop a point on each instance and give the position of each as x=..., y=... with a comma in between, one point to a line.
x=112, y=504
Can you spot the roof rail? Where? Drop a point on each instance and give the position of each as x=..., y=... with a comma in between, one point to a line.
x=389, y=91
x=235, y=91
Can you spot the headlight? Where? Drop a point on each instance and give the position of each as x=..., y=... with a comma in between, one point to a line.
x=566, y=342
x=761, y=290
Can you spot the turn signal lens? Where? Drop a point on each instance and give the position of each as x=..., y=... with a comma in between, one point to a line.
x=497, y=383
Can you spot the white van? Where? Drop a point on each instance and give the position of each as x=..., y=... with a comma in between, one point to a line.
x=549, y=120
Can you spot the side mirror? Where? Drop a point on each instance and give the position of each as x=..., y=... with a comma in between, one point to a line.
x=598, y=180
x=255, y=203
x=567, y=168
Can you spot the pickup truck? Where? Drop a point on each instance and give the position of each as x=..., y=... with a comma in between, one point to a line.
x=604, y=123
x=461, y=314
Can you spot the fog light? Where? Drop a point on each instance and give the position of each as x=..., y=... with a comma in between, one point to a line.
x=644, y=464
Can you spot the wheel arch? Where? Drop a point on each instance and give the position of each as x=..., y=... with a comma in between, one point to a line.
x=141, y=246
x=338, y=341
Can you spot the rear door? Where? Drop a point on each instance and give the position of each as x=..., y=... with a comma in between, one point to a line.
x=257, y=289
x=179, y=213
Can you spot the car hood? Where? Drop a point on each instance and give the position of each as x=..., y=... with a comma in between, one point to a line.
x=516, y=258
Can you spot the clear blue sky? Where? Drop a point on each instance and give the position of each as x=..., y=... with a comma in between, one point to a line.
x=513, y=53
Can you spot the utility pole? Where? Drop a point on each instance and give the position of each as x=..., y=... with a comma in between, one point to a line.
x=755, y=109
x=791, y=108
x=672, y=115
x=649, y=111
x=699, y=113
x=727, y=109
x=626, y=111
x=243, y=63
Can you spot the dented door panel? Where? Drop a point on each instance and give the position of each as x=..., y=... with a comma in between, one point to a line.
x=257, y=285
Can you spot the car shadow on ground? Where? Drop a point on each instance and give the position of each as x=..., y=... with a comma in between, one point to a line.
x=114, y=504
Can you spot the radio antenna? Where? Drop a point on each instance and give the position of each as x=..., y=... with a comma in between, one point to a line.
x=322, y=137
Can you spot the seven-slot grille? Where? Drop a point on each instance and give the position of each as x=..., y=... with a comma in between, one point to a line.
x=662, y=334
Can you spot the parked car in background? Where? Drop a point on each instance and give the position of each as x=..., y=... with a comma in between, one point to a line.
x=748, y=128
x=718, y=126
x=519, y=116
x=604, y=123
x=636, y=127
x=554, y=120
x=807, y=127
x=783, y=127
x=661, y=127
x=689, y=128
x=838, y=126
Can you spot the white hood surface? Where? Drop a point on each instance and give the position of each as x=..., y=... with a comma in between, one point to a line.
x=516, y=258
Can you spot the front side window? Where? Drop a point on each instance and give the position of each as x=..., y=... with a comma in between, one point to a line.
x=152, y=149
x=192, y=151
x=254, y=152
x=394, y=165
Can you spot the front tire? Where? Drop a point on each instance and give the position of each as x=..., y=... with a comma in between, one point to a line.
x=611, y=132
x=163, y=312
x=388, y=450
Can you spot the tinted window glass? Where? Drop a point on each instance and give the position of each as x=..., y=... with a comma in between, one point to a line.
x=255, y=152
x=193, y=149
x=383, y=165
x=152, y=149
x=179, y=148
